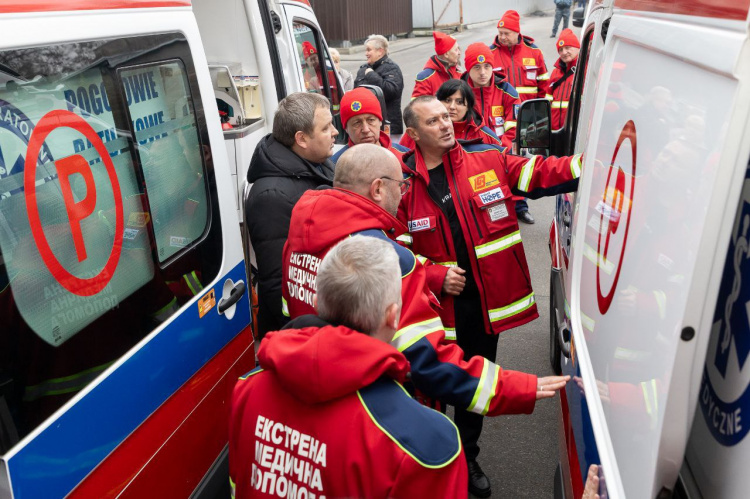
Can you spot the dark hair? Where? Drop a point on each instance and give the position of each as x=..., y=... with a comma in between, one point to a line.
x=450, y=87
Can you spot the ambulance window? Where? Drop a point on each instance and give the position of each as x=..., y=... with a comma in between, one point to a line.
x=315, y=61
x=576, y=96
x=169, y=150
x=108, y=222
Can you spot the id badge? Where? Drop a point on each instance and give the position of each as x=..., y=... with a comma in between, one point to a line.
x=498, y=211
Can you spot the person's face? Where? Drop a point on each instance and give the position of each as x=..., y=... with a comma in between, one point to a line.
x=313, y=61
x=481, y=74
x=568, y=53
x=319, y=144
x=364, y=129
x=507, y=37
x=453, y=55
x=392, y=196
x=434, y=131
x=456, y=106
x=373, y=54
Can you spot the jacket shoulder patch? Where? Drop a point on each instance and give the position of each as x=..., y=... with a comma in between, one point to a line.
x=336, y=156
x=252, y=373
x=400, y=148
x=424, y=74
x=430, y=438
x=508, y=89
x=473, y=148
x=406, y=258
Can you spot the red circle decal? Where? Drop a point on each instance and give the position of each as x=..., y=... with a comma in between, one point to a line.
x=617, y=203
x=50, y=122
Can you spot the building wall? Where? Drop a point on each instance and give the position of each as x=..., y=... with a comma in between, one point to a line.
x=474, y=11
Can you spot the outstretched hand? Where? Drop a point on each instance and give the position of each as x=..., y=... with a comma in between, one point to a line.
x=549, y=385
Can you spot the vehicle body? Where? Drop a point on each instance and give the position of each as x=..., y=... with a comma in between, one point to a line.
x=648, y=270
x=124, y=304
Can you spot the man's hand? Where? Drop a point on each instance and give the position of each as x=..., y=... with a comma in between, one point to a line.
x=454, y=281
x=547, y=387
x=591, y=489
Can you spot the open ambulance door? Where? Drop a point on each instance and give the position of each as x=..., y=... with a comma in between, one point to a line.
x=665, y=163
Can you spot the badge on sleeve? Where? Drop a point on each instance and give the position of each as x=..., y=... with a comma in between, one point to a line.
x=497, y=110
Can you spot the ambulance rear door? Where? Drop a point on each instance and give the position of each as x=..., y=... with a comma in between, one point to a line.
x=663, y=166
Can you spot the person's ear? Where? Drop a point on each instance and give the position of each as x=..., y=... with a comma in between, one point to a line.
x=412, y=133
x=300, y=139
x=376, y=190
x=392, y=316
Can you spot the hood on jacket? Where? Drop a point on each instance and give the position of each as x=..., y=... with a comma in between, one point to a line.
x=273, y=159
x=319, y=364
x=333, y=214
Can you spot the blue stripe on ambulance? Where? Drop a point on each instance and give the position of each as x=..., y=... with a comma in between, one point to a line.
x=58, y=458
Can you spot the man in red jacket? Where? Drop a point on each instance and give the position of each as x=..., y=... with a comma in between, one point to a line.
x=325, y=412
x=439, y=68
x=561, y=80
x=523, y=64
x=460, y=213
x=496, y=99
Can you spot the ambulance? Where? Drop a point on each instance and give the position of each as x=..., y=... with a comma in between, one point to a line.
x=126, y=129
x=650, y=278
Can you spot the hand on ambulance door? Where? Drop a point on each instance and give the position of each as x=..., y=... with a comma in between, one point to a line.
x=549, y=385
x=454, y=281
x=591, y=489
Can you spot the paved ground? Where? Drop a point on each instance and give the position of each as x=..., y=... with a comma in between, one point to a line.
x=519, y=453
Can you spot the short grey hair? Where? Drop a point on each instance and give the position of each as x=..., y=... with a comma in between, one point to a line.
x=379, y=41
x=296, y=113
x=357, y=281
x=410, y=117
x=360, y=165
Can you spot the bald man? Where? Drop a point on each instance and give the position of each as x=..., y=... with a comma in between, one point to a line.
x=366, y=193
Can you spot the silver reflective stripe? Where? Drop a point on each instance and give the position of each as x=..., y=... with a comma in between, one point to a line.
x=284, y=307
x=409, y=335
x=524, y=180
x=575, y=165
x=404, y=238
x=480, y=404
x=193, y=283
x=450, y=333
x=499, y=314
x=67, y=384
x=498, y=244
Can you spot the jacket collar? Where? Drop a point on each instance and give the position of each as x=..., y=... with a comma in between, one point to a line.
x=385, y=140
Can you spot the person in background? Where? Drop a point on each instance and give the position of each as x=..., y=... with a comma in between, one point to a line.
x=286, y=163
x=382, y=72
x=327, y=397
x=561, y=80
x=439, y=68
x=524, y=67
x=562, y=11
x=347, y=79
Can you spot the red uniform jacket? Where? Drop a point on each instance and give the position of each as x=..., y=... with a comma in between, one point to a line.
x=433, y=75
x=325, y=412
x=560, y=86
x=385, y=140
x=322, y=218
x=497, y=105
x=481, y=179
x=524, y=67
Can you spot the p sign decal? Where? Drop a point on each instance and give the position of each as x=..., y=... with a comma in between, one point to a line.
x=76, y=211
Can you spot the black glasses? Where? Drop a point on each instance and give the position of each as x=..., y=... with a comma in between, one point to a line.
x=402, y=184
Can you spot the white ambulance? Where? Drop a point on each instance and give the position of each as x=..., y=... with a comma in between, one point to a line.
x=124, y=309
x=650, y=281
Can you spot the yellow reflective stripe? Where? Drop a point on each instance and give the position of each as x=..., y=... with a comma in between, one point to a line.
x=575, y=166
x=422, y=259
x=450, y=333
x=232, y=486
x=447, y=264
x=407, y=336
x=163, y=313
x=498, y=244
x=524, y=180
x=486, y=387
x=405, y=238
x=560, y=104
x=193, y=282
x=526, y=90
x=284, y=307
x=598, y=260
x=661, y=302
x=65, y=384
x=587, y=322
x=651, y=400
x=543, y=77
x=549, y=97
x=509, y=125
x=524, y=303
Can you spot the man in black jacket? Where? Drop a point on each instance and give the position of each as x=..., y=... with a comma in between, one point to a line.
x=382, y=72
x=286, y=163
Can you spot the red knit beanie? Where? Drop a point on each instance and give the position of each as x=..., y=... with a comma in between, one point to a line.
x=510, y=20
x=477, y=53
x=567, y=39
x=443, y=42
x=308, y=49
x=359, y=101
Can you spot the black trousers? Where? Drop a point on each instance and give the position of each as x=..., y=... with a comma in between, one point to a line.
x=473, y=339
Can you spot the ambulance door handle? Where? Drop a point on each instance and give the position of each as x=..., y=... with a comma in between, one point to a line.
x=234, y=296
x=563, y=339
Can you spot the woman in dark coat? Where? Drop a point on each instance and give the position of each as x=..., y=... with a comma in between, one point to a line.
x=382, y=72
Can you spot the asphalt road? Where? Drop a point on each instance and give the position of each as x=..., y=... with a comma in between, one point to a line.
x=519, y=453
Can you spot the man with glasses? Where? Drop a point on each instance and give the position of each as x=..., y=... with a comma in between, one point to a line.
x=367, y=190
x=362, y=118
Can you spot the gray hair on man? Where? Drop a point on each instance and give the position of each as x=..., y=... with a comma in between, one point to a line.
x=360, y=165
x=357, y=281
x=410, y=117
x=378, y=42
x=296, y=113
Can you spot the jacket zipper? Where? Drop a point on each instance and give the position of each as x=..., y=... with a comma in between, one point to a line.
x=440, y=217
x=518, y=260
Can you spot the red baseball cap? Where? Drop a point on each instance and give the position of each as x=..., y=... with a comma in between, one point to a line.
x=477, y=53
x=359, y=101
x=567, y=39
x=443, y=42
x=510, y=20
